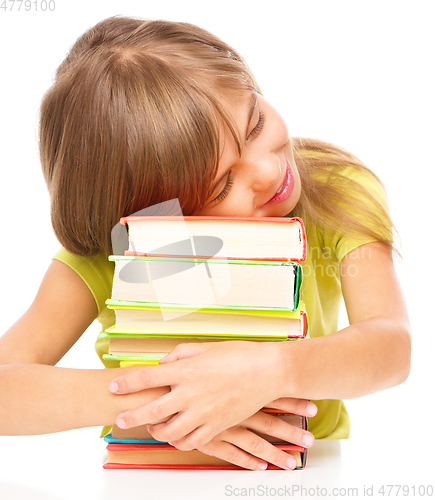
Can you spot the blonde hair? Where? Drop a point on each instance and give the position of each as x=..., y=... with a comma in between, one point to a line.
x=132, y=119
x=333, y=200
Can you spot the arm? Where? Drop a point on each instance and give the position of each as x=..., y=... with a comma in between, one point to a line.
x=38, y=398
x=370, y=355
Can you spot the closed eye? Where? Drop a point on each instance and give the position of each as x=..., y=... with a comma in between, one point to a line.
x=257, y=129
x=226, y=189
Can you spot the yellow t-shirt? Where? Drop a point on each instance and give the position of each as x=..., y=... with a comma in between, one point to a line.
x=320, y=291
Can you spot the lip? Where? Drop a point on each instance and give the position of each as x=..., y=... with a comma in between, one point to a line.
x=285, y=189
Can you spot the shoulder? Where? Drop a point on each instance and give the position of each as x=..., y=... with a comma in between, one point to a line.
x=360, y=210
x=95, y=270
x=340, y=175
x=352, y=176
x=368, y=180
x=62, y=310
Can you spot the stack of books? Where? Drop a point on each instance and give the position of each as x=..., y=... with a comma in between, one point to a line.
x=202, y=279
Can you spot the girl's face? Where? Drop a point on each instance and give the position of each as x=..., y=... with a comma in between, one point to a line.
x=263, y=181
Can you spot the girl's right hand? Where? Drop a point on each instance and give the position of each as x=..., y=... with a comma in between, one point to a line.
x=244, y=448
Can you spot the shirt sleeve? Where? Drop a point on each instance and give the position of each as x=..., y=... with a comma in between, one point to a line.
x=96, y=271
x=342, y=244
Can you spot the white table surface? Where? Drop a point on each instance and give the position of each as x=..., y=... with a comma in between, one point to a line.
x=68, y=465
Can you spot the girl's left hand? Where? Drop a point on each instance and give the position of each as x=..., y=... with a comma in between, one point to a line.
x=242, y=446
x=214, y=386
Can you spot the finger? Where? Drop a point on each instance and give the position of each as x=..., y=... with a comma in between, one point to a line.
x=185, y=433
x=146, y=378
x=183, y=351
x=193, y=440
x=297, y=406
x=158, y=409
x=277, y=428
x=230, y=453
x=258, y=447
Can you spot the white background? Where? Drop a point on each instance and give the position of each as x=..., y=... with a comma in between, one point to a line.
x=358, y=74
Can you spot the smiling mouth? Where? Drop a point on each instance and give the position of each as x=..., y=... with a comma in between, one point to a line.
x=283, y=183
x=285, y=189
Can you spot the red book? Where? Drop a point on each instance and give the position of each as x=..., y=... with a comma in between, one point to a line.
x=165, y=456
x=123, y=454
x=247, y=238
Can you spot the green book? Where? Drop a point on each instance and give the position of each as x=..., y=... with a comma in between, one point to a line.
x=147, y=319
x=140, y=349
x=211, y=283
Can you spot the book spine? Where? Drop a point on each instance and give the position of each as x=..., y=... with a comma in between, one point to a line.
x=112, y=465
x=132, y=253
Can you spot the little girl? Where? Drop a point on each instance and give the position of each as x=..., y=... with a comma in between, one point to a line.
x=147, y=111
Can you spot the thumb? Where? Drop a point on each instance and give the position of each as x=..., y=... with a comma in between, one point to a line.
x=183, y=351
x=297, y=406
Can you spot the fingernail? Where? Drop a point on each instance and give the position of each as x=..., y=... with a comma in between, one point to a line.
x=113, y=387
x=308, y=440
x=311, y=409
x=121, y=423
x=291, y=463
x=262, y=465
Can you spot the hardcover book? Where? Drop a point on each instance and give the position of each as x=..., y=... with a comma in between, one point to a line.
x=241, y=323
x=135, y=448
x=263, y=238
x=165, y=456
x=273, y=284
x=201, y=279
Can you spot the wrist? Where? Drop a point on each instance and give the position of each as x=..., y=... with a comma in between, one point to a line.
x=281, y=357
x=289, y=369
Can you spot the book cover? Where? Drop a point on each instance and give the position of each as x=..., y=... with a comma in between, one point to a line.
x=264, y=238
x=231, y=323
x=140, y=434
x=218, y=282
x=165, y=456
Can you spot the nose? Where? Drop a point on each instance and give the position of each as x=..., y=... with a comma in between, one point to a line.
x=266, y=172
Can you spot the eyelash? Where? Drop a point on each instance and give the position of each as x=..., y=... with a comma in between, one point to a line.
x=254, y=132
x=226, y=189
x=257, y=129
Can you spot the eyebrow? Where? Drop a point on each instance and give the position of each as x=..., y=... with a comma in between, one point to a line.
x=252, y=104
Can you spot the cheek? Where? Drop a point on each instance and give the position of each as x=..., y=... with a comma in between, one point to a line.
x=278, y=132
x=277, y=128
x=235, y=207
x=236, y=204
